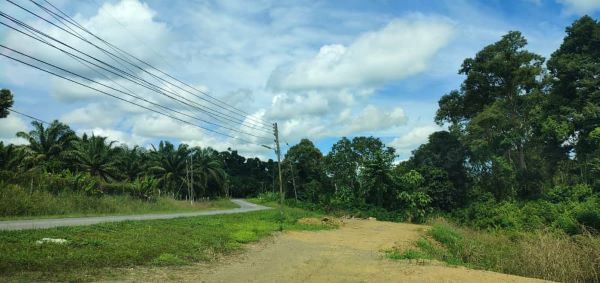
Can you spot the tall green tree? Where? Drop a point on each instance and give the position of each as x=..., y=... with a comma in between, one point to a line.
x=307, y=163
x=131, y=163
x=342, y=164
x=169, y=165
x=573, y=110
x=208, y=170
x=441, y=162
x=494, y=110
x=96, y=156
x=377, y=179
x=47, y=146
x=6, y=102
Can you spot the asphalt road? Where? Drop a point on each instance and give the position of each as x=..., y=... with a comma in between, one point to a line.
x=56, y=222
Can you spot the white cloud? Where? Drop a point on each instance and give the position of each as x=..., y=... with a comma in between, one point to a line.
x=124, y=24
x=371, y=118
x=9, y=127
x=400, y=49
x=579, y=7
x=415, y=137
x=120, y=137
x=93, y=114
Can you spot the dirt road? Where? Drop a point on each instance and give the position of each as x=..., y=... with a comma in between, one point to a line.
x=349, y=254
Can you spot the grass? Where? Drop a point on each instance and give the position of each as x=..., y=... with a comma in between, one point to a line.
x=16, y=204
x=543, y=254
x=92, y=249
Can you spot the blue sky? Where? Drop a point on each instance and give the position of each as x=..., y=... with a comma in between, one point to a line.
x=321, y=69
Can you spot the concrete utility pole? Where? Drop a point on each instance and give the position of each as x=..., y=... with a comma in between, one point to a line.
x=192, y=179
x=293, y=180
x=278, y=152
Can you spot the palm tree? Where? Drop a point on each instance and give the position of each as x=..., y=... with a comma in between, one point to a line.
x=209, y=170
x=130, y=162
x=169, y=166
x=47, y=145
x=11, y=156
x=95, y=156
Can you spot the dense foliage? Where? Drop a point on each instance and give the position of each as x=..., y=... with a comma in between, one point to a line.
x=522, y=149
x=55, y=160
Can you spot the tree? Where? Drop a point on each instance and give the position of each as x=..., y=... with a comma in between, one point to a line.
x=169, y=166
x=572, y=113
x=307, y=162
x=6, y=102
x=95, y=156
x=208, y=169
x=441, y=161
x=11, y=156
x=131, y=163
x=48, y=145
x=341, y=164
x=377, y=179
x=495, y=109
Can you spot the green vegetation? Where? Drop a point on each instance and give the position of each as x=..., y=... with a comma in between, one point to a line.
x=125, y=244
x=16, y=203
x=541, y=254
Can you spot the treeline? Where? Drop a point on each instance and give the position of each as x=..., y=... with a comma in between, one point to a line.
x=55, y=159
x=522, y=150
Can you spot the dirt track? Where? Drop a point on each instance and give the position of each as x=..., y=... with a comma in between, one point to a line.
x=349, y=254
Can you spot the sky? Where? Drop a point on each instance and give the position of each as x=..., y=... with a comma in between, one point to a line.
x=320, y=69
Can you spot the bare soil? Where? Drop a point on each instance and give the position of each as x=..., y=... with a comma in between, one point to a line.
x=352, y=253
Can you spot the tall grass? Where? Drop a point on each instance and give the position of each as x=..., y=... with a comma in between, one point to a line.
x=18, y=202
x=544, y=254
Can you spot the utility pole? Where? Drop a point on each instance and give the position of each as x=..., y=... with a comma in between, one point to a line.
x=293, y=180
x=278, y=152
x=192, y=179
x=187, y=176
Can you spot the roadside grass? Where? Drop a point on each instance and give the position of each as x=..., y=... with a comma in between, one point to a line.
x=92, y=251
x=543, y=254
x=40, y=204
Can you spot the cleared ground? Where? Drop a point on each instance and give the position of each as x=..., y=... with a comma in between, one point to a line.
x=349, y=254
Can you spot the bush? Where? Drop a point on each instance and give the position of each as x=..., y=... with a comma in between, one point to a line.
x=550, y=255
x=268, y=197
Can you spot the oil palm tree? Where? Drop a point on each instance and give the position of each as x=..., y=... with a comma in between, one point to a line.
x=47, y=145
x=131, y=162
x=11, y=157
x=209, y=169
x=169, y=166
x=96, y=156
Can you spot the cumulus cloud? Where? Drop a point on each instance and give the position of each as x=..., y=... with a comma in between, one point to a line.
x=415, y=137
x=400, y=49
x=371, y=118
x=579, y=7
x=120, y=137
x=124, y=24
x=94, y=114
x=9, y=127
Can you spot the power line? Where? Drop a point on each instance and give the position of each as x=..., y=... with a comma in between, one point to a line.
x=160, y=71
x=28, y=116
x=153, y=86
x=132, y=95
x=146, y=84
x=122, y=99
x=123, y=52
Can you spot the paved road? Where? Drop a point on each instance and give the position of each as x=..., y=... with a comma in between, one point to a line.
x=56, y=222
